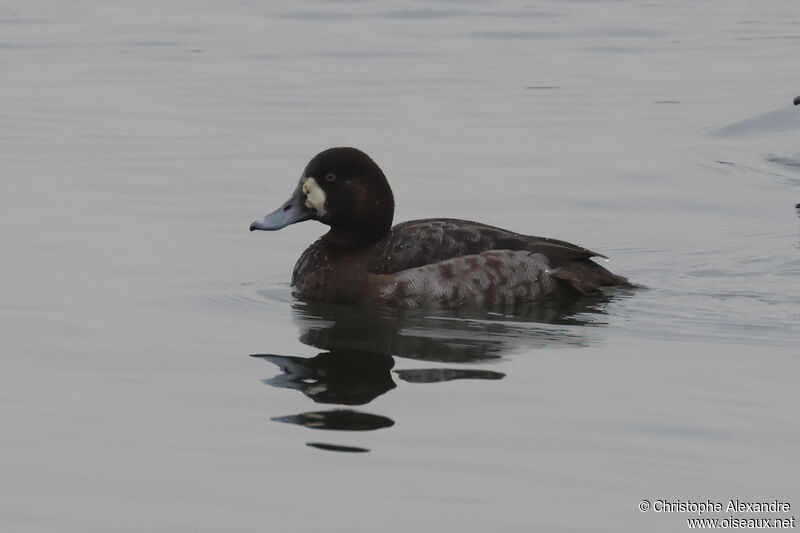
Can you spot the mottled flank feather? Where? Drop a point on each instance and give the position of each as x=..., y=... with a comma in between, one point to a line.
x=495, y=279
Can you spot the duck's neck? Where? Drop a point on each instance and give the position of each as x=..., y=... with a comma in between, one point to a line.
x=343, y=238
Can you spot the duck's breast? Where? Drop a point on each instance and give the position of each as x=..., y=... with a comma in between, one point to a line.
x=334, y=274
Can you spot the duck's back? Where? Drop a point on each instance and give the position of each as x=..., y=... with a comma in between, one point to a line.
x=422, y=242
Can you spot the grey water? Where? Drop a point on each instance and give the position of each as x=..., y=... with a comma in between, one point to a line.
x=159, y=375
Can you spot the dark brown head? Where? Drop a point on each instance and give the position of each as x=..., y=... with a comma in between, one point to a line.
x=343, y=188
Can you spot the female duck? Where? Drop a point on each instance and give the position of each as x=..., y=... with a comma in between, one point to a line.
x=437, y=262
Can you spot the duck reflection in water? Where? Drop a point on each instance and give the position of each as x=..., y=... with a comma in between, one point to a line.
x=360, y=345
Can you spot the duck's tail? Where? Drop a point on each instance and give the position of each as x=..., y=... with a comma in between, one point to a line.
x=587, y=277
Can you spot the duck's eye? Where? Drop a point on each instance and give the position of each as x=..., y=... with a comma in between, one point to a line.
x=330, y=177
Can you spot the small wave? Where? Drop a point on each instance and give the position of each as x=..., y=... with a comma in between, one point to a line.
x=779, y=121
x=715, y=316
x=233, y=297
x=787, y=162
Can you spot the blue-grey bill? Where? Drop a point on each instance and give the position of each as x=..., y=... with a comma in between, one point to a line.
x=293, y=211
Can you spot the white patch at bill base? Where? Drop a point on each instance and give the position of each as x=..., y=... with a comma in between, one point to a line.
x=315, y=196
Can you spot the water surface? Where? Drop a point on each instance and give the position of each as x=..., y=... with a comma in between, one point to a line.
x=140, y=139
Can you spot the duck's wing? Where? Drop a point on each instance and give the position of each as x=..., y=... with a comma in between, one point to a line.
x=422, y=242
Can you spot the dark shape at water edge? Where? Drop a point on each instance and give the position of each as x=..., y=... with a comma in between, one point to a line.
x=797, y=100
x=338, y=419
x=792, y=162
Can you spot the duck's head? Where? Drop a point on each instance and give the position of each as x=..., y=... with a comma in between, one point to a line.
x=340, y=187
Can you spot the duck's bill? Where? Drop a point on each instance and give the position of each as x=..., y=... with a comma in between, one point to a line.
x=293, y=211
